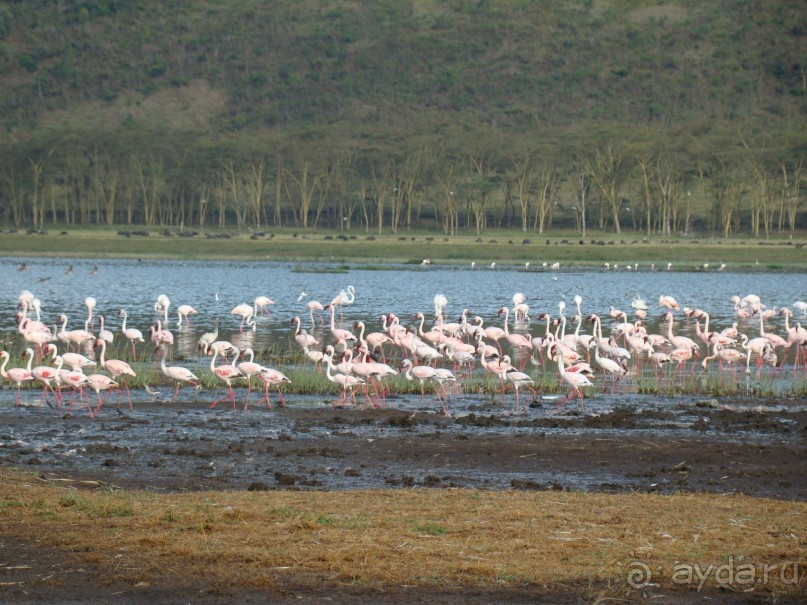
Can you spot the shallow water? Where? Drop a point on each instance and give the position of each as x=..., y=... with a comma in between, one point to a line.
x=213, y=288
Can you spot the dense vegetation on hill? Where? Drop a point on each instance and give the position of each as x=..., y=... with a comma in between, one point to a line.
x=659, y=115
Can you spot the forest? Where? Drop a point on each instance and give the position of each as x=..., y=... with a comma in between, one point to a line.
x=463, y=116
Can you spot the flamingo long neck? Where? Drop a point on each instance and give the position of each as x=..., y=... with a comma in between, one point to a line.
x=64, y=325
x=669, y=327
x=562, y=327
x=162, y=363
x=333, y=322
x=125, y=317
x=29, y=353
x=506, y=320
x=103, y=353
x=3, y=372
x=361, y=333
x=213, y=361
x=761, y=326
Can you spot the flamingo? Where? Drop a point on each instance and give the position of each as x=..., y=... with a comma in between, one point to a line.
x=576, y=380
x=518, y=380
x=17, y=375
x=314, y=305
x=722, y=354
x=76, y=337
x=182, y=313
x=117, y=369
x=517, y=341
x=77, y=362
x=48, y=375
x=249, y=369
x=345, y=381
x=103, y=333
x=76, y=380
x=208, y=338
x=440, y=304
x=608, y=365
x=271, y=377
x=178, y=374
x=226, y=373
x=373, y=340
x=668, y=301
x=160, y=336
x=679, y=342
x=340, y=335
x=682, y=355
x=98, y=383
x=247, y=313
x=345, y=297
x=161, y=306
x=133, y=335
x=427, y=373
x=303, y=338
x=91, y=304
x=261, y=302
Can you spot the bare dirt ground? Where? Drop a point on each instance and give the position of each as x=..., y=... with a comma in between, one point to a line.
x=633, y=445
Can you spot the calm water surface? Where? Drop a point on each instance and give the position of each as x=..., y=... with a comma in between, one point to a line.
x=214, y=288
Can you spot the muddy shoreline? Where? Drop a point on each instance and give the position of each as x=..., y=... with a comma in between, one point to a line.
x=619, y=444
x=642, y=444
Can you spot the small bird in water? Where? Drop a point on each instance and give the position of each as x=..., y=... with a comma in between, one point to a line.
x=94, y=270
x=22, y=267
x=301, y=296
x=69, y=269
x=43, y=279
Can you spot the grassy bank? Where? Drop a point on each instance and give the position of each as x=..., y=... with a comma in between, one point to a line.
x=436, y=539
x=500, y=247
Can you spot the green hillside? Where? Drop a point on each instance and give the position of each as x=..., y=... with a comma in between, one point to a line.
x=117, y=111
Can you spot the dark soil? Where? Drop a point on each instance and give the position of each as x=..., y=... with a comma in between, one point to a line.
x=632, y=445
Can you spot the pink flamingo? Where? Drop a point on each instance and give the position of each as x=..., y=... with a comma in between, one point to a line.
x=180, y=375
x=372, y=341
x=117, y=369
x=76, y=337
x=103, y=333
x=247, y=313
x=162, y=305
x=345, y=381
x=133, y=335
x=226, y=373
x=160, y=336
x=98, y=383
x=345, y=297
x=17, y=375
x=249, y=369
x=668, y=301
x=517, y=341
x=314, y=305
x=427, y=373
x=272, y=378
x=340, y=334
x=182, y=313
x=261, y=302
x=679, y=342
x=303, y=338
x=48, y=375
x=518, y=380
x=576, y=380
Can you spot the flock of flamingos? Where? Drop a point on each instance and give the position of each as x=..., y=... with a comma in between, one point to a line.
x=582, y=348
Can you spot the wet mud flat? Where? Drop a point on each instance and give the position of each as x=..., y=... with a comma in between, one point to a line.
x=619, y=444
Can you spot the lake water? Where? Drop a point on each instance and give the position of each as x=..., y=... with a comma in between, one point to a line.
x=215, y=287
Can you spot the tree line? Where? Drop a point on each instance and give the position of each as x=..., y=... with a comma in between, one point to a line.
x=607, y=187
